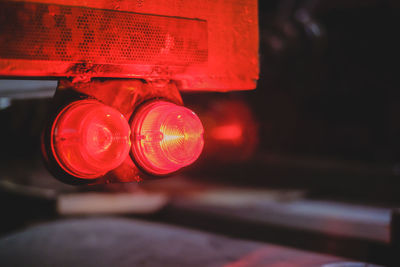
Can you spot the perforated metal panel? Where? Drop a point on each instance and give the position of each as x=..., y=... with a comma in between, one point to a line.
x=74, y=34
x=202, y=45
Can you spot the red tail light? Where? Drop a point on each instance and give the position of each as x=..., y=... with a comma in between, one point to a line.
x=166, y=137
x=88, y=139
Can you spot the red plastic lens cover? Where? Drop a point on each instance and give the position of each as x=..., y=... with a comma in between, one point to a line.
x=88, y=139
x=166, y=137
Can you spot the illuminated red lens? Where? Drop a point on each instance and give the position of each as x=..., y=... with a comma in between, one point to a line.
x=166, y=137
x=89, y=139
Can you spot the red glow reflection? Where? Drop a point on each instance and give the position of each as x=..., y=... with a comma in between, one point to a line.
x=231, y=132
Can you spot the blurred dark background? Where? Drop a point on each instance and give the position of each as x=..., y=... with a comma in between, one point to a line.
x=327, y=101
x=323, y=120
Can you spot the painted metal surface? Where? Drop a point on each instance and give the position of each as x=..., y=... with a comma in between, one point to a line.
x=201, y=45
